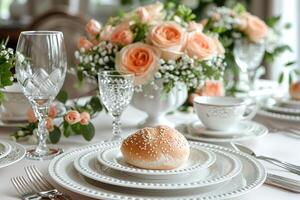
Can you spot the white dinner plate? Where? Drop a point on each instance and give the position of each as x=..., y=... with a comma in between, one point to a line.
x=225, y=168
x=5, y=148
x=243, y=127
x=62, y=170
x=284, y=117
x=258, y=130
x=16, y=154
x=199, y=158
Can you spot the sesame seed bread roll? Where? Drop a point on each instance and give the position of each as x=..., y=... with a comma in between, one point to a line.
x=161, y=148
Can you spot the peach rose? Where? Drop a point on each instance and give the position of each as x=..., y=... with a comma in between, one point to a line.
x=253, y=27
x=49, y=124
x=85, y=118
x=72, y=117
x=106, y=33
x=200, y=46
x=84, y=43
x=138, y=58
x=194, y=26
x=52, y=111
x=170, y=38
x=122, y=35
x=93, y=28
x=151, y=14
x=212, y=88
x=31, y=116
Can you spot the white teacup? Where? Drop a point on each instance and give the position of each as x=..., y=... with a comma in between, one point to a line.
x=15, y=104
x=223, y=113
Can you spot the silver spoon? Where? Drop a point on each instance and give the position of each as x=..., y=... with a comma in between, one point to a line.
x=285, y=165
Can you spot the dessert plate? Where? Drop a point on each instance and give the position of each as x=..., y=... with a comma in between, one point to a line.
x=62, y=171
x=273, y=106
x=244, y=127
x=5, y=149
x=225, y=168
x=289, y=103
x=257, y=131
x=199, y=158
x=273, y=115
x=15, y=155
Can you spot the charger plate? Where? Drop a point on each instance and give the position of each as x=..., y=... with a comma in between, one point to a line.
x=63, y=172
x=199, y=158
x=16, y=154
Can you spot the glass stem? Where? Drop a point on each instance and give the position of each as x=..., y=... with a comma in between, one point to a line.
x=116, y=126
x=42, y=133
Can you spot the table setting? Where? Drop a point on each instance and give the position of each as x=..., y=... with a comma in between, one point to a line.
x=160, y=125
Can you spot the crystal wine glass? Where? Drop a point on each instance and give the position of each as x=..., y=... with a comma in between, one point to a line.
x=248, y=56
x=116, y=92
x=41, y=65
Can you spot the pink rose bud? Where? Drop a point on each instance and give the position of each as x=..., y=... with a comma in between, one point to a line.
x=85, y=118
x=93, y=27
x=31, y=116
x=52, y=111
x=49, y=124
x=84, y=43
x=72, y=117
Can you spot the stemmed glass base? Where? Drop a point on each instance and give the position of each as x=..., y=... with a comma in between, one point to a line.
x=51, y=153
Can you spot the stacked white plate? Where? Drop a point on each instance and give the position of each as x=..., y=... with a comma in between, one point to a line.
x=212, y=172
x=10, y=153
x=281, y=108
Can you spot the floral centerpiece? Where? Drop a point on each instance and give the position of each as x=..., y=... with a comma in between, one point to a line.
x=160, y=44
x=234, y=24
x=7, y=59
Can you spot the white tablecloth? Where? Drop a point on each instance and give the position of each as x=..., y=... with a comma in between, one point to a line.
x=279, y=145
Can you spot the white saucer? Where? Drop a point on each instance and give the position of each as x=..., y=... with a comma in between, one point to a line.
x=15, y=155
x=272, y=105
x=279, y=116
x=241, y=128
x=5, y=149
x=225, y=168
x=257, y=131
x=62, y=171
x=199, y=158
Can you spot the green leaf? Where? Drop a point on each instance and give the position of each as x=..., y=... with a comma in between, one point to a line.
x=290, y=78
x=88, y=131
x=67, y=129
x=273, y=21
x=290, y=63
x=281, y=77
x=55, y=135
x=76, y=128
x=96, y=104
x=239, y=8
x=62, y=96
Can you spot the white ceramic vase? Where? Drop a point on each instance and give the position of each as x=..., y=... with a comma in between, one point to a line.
x=157, y=103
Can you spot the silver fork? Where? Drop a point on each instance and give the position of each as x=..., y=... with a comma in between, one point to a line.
x=42, y=185
x=24, y=189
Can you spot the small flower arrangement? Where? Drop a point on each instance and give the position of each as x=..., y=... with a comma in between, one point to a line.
x=7, y=59
x=232, y=24
x=155, y=42
x=76, y=121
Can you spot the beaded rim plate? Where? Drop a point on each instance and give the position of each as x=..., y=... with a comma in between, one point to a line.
x=289, y=102
x=271, y=104
x=84, y=165
x=61, y=169
x=199, y=158
x=257, y=131
x=16, y=154
x=5, y=149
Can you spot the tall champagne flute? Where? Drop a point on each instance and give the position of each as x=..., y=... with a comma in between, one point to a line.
x=41, y=65
x=116, y=92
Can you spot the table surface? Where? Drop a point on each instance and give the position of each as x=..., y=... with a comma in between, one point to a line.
x=280, y=145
